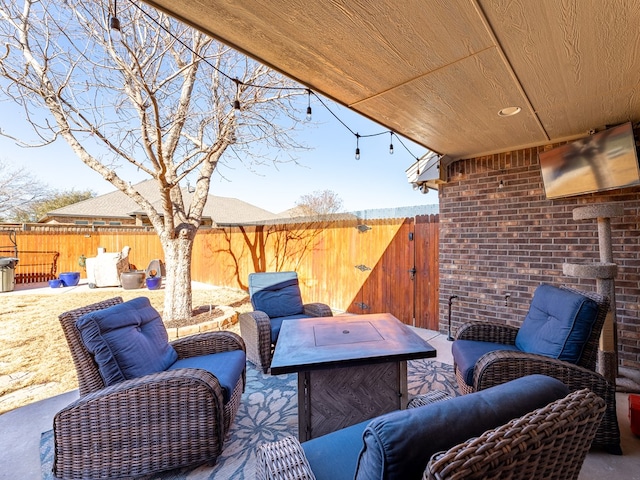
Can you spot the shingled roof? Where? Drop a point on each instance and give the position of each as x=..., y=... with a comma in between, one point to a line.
x=117, y=205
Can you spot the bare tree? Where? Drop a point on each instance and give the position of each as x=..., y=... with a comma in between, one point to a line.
x=19, y=189
x=319, y=203
x=161, y=98
x=52, y=200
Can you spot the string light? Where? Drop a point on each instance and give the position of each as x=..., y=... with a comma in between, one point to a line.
x=114, y=23
x=236, y=102
x=115, y=26
x=309, y=106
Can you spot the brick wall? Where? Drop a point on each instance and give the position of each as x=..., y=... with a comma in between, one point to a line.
x=497, y=241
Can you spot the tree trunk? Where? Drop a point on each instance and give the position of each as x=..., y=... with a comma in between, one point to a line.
x=177, y=295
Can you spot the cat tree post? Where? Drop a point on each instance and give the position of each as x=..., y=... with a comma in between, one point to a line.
x=604, y=272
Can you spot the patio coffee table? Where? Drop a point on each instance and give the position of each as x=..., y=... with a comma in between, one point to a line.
x=350, y=368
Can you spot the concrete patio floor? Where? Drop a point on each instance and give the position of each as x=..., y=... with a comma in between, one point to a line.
x=20, y=431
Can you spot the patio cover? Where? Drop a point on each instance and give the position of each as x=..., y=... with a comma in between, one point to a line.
x=439, y=72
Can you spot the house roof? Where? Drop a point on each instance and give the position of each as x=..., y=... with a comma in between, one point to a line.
x=439, y=72
x=222, y=210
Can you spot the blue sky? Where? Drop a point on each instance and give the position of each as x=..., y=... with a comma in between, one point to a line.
x=377, y=180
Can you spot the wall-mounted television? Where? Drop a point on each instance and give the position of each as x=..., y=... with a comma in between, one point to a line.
x=602, y=161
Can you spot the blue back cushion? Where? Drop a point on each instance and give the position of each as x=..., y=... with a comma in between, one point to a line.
x=225, y=366
x=276, y=293
x=558, y=324
x=398, y=445
x=127, y=340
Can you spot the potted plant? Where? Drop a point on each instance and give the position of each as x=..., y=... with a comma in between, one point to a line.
x=153, y=281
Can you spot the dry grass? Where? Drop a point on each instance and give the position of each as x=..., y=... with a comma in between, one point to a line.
x=35, y=362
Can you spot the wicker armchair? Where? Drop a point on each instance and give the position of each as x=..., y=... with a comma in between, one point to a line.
x=549, y=443
x=275, y=297
x=500, y=366
x=156, y=422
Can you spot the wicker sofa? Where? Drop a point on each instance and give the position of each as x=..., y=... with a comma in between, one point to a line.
x=176, y=415
x=548, y=342
x=521, y=424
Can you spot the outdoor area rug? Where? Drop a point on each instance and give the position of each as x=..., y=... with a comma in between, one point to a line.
x=268, y=412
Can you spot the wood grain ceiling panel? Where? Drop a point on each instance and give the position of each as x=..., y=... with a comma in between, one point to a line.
x=579, y=62
x=572, y=65
x=349, y=50
x=464, y=120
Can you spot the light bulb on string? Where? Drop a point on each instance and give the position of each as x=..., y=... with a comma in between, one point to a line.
x=114, y=24
x=236, y=102
x=309, y=106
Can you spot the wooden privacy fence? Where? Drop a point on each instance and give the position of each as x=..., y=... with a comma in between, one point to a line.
x=46, y=251
x=388, y=265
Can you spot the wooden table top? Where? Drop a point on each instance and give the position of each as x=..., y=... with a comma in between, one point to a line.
x=348, y=340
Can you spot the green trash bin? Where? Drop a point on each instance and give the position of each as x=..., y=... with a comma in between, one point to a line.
x=7, y=273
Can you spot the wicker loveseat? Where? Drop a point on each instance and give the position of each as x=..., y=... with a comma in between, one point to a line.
x=176, y=416
x=549, y=342
x=275, y=297
x=521, y=423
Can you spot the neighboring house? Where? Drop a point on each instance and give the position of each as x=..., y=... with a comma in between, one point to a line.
x=116, y=209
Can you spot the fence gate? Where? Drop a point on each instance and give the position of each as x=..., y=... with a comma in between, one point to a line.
x=398, y=267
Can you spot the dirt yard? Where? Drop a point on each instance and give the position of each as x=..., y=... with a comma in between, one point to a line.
x=35, y=362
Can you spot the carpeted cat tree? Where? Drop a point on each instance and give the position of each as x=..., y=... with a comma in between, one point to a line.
x=604, y=272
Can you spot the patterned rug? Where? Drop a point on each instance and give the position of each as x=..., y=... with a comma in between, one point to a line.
x=268, y=412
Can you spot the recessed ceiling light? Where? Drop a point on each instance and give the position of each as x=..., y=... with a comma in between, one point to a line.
x=509, y=111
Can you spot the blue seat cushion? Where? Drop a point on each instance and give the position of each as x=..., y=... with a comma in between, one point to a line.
x=276, y=293
x=466, y=354
x=334, y=456
x=127, y=340
x=276, y=324
x=398, y=445
x=225, y=366
x=558, y=324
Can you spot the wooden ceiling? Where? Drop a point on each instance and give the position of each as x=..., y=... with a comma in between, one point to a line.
x=438, y=72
